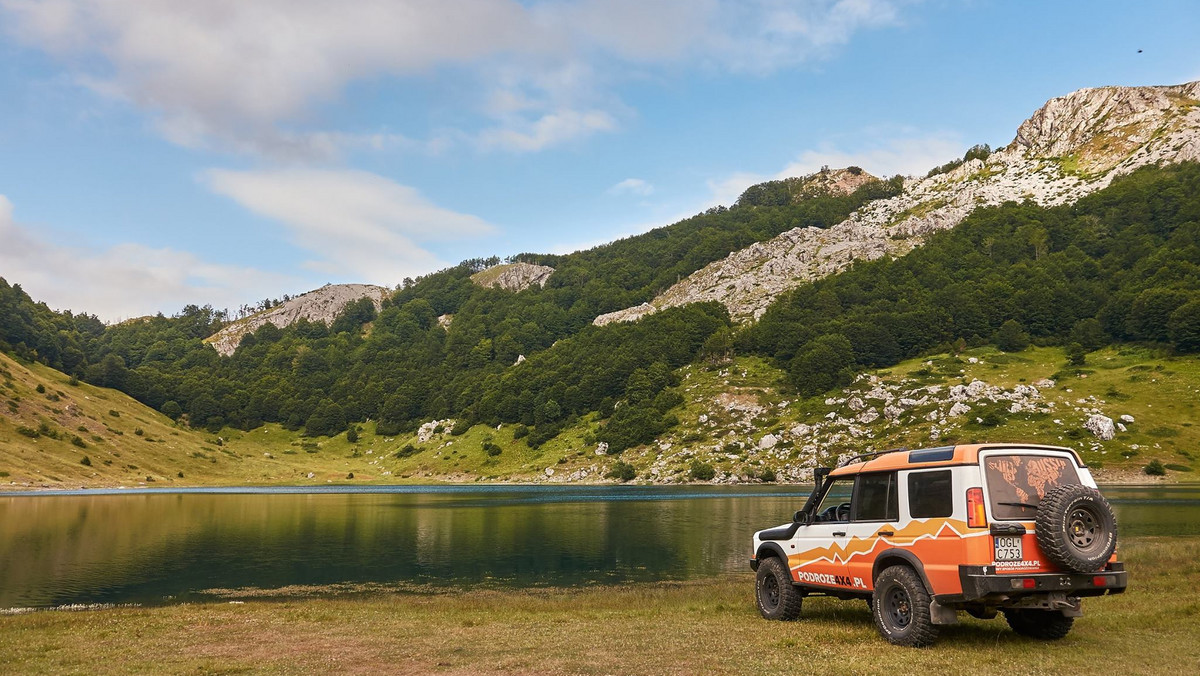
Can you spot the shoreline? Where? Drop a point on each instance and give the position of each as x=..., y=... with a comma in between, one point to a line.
x=1125, y=479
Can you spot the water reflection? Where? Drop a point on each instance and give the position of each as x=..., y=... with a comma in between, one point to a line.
x=156, y=546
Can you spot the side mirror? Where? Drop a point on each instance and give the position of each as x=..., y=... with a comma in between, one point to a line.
x=800, y=517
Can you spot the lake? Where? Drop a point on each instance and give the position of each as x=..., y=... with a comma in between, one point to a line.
x=155, y=547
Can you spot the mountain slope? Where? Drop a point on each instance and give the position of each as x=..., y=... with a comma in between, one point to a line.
x=320, y=305
x=1072, y=146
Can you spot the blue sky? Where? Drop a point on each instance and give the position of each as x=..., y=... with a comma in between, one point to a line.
x=159, y=154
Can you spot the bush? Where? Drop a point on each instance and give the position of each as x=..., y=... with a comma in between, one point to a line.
x=543, y=433
x=41, y=389
x=1155, y=468
x=520, y=431
x=1177, y=468
x=823, y=364
x=1011, y=336
x=1076, y=355
x=350, y=475
x=701, y=471
x=767, y=475
x=114, y=413
x=78, y=441
x=327, y=420
x=622, y=471
x=352, y=434
x=408, y=451
x=631, y=425
x=86, y=461
x=492, y=449
x=171, y=409
x=460, y=427
x=28, y=432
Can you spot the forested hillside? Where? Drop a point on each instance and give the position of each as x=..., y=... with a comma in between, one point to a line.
x=1121, y=265
x=400, y=366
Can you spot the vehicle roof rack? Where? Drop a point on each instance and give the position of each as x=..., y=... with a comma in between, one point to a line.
x=863, y=457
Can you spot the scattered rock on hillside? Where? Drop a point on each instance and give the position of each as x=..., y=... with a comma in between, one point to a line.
x=1101, y=426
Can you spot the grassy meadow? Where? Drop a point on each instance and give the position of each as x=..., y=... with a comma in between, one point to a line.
x=60, y=434
x=706, y=626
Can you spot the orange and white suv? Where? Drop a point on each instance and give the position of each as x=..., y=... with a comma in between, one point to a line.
x=923, y=534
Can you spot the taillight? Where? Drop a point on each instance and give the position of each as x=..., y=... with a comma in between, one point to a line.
x=976, y=517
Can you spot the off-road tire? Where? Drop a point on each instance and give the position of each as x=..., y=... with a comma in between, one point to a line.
x=1046, y=625
x=777, y=598
x=901, y=608
x=1076, y=528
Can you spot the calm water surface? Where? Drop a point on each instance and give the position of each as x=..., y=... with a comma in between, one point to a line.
x=155, y=547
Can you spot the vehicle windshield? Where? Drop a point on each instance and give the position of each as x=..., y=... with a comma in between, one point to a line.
x=1018, y=482
x=836, y=496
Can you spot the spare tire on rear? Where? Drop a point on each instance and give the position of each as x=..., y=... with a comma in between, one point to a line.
x=1076, y=528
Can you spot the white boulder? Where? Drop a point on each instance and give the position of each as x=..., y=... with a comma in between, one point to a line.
x=1101, y=426
x=959, y=408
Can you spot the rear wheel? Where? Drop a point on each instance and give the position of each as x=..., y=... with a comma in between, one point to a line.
x=901, y=608
x=777, y=598
x=1047, y=625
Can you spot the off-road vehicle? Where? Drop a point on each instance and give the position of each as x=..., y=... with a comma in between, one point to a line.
x=923, y=534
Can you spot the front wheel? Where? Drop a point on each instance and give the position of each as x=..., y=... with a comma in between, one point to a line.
x=1047, y=625
x=777, y=598
x=901, y=608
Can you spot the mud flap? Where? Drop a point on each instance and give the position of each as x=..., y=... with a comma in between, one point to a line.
x=940, y=614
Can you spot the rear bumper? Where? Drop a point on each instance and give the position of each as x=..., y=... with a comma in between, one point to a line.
x=983, y=582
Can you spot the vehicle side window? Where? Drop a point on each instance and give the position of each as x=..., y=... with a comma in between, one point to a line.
x=835, y=505
x=876, y=498
x=930, y=494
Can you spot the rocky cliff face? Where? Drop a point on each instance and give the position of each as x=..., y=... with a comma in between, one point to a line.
x=321, y=305
x=1074, y=145
x=513, y=276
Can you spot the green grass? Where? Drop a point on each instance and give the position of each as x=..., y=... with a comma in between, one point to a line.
x=706, y=626
x=1161, y=392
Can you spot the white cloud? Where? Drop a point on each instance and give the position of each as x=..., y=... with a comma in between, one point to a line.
x=551, y=129
x=356, y=223
x=248, y=76
x=124, y=281
x=632, y=186
x=907, y=155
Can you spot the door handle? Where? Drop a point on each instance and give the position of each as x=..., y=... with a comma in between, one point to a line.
x=840, y=533
x=885, y=533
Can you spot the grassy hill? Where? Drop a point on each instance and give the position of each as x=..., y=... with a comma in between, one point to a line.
x=76, y=435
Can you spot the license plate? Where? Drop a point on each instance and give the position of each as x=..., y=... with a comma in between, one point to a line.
x=1008, y=548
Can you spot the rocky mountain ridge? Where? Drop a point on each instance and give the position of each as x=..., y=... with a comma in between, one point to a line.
x=513, y=276
x=1072, y=146
x=320, y=305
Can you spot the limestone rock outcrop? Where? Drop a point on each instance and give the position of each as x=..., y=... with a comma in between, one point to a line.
x=322, y=305
x=1072, y=146
x=513, y=276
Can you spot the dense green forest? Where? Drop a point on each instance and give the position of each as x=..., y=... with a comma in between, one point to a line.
x=1121, y=265
x=406, y=368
